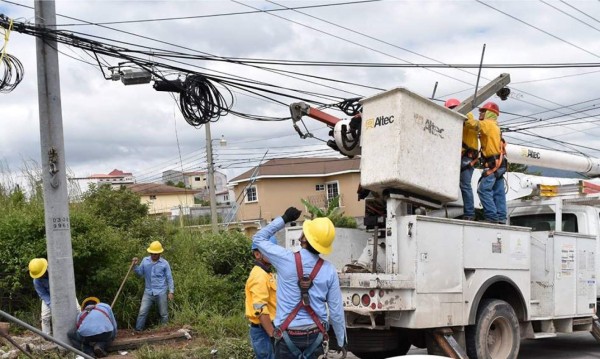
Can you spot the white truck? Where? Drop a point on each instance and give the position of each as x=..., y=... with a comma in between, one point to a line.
x=460, y=288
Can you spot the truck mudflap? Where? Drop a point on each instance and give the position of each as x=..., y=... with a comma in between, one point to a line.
x=367, y=296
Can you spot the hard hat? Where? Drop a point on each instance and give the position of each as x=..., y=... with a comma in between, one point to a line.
x=155, y=248
x=89, y=299
x=490, y=106
x=320, y=233
x=37, y=267
x=451, y=103
x=272, y=240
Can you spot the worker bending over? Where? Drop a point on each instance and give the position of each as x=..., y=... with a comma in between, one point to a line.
x=96, y=328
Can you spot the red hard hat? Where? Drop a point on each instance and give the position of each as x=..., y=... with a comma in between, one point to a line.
x=490, y=106
x=451, y=103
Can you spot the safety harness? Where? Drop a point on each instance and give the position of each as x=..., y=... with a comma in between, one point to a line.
x=304, y=283
x=497, y=161
x=87, y=311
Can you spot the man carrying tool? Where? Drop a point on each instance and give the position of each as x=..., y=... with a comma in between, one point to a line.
x=307, y=286
x=260, y=291
x=158, y=284
x=491, y=184
x=38, y=270
x=468, y=159
x=96, y=328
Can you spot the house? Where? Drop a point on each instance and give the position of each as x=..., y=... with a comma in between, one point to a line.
x=161, y=198
x=197, y=180
x=115, y=177
x=269, y=189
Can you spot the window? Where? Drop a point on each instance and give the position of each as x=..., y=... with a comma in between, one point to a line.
x=320, y=187
x=225, y=197
x=332, y=190
x=197, y=179
x=152, y=197
x=251, y=194
x=546, y=222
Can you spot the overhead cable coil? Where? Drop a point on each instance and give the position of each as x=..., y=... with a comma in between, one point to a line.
x=11, y=71
x=201, y=102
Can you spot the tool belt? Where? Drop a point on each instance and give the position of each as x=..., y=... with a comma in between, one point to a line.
x=293, y=332
x=496, y=164
x=470, y=152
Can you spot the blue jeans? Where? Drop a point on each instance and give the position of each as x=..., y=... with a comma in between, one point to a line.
x=493, y=198
x=465, y=187
x=301, y=342
x=261, y=343
x=147, y=301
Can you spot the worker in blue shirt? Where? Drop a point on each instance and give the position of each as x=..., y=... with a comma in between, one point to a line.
x=96, y=328
x=297, y=333
x=38, y=270
x=158, y=284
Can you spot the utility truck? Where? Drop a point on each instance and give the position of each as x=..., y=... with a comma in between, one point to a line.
x=459, y=288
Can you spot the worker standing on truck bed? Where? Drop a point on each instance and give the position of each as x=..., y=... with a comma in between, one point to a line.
x=306, y=287
x=491, y=184
x=261, y=291
x=468, y=159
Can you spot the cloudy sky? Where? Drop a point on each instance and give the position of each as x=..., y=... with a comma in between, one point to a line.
x=136, y=129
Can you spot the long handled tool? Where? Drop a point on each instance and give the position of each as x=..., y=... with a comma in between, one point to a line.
x=122, y=284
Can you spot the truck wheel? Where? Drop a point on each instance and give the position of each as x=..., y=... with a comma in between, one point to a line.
x=496, y=333
x=378, y=344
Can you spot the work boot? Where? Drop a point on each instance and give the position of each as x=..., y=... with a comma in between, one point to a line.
x=99, y=351
x=468, y=218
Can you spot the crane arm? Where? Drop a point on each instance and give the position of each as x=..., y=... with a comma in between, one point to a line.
x=553, y=159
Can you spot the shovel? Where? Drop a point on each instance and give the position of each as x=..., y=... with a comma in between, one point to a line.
x=122, y=284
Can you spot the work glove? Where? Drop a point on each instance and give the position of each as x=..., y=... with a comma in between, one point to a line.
x=291, y=214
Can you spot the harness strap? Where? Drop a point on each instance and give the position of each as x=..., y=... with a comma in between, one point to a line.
x=87, y=311
x=305, y=283
x=499, y=160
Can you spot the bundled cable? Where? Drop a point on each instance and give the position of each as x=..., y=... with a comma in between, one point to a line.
x=11, y=71
x=200, y=101
x=350, y=106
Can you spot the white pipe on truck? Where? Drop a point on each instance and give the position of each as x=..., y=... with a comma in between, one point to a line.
x=552, y=159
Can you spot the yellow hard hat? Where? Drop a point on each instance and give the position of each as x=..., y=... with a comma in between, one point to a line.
x=37, y=267
x=155, y=247
x=89, y=299
x=320, y=233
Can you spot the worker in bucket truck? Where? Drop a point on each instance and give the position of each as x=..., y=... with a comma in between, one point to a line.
x=491, y=184
x=95, y=328
x=261, y=290
x=307, y=286
x=468, y=159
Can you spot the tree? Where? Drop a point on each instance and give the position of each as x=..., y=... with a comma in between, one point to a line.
x=333, y=212
x=119, y=208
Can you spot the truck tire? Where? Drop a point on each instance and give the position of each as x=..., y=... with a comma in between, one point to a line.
x=496, y=333
x=378, y=344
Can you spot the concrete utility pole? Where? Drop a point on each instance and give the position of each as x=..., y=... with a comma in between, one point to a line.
x=56, y=202
x=214, y=220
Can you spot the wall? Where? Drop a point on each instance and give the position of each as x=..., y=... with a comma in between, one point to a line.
x=164, y=202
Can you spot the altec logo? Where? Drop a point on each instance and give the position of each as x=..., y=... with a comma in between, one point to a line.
x=379, y=121
x=530, y=154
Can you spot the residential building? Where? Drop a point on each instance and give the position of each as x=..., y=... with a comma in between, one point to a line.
x=277, y=184
x=198, y=181
x=115, y=177
x=161, y=198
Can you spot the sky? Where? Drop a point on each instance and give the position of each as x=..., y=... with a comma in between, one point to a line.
x=136, y=129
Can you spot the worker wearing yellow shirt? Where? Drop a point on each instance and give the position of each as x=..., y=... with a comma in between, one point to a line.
x=261, y=289
x=491, y=185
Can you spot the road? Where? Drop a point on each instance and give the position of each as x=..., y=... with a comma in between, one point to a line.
x=565, y=346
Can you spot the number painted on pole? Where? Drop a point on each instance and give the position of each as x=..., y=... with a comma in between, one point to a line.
x=60, y=223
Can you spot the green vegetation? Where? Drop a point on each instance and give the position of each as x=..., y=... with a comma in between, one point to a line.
x=333, y=212
x=108, y=228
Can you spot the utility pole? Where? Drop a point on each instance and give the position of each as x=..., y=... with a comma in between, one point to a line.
x=56, y=202
x=214, y=220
